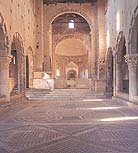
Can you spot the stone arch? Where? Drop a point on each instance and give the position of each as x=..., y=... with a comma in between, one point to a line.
x=3, y=37
x=133, y=33
x=72, y=74
x=109, y=70
x=4, y=61
x=122, y=74
x=64, y=10
x=61, y=38
x=70, y=49
x=55, y=15
x=17, y=39
x=17, y=64
x=72, y=67
x=119, y=45
x=58, y=39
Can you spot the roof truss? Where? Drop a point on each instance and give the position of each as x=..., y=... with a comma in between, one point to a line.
x=68, y=1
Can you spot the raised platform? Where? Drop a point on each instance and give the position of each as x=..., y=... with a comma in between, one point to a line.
x=63, y=94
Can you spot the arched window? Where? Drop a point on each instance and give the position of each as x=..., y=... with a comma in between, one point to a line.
x=71, y=24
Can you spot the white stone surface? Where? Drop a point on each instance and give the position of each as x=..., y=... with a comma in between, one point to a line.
x=43, y=84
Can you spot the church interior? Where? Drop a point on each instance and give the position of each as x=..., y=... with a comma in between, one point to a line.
x=68, y=76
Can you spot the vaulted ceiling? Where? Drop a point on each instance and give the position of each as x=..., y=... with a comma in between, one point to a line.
x=71, y=47
x=60, y=24
x=69, y=16
x=68, y=1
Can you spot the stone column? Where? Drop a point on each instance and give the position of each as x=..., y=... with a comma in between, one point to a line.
x=114, y=73
x=132, y=61
x=50, y=53
x=90, y=50
x=4, y=78
x=119, y=77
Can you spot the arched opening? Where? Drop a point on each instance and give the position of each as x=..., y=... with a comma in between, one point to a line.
x=109, y=70
x=27, y=72
x=4, y=61
x=72, y=74
x=71, y=79
x=13, y=69
x=122, y=73
x=72, y=71
x=125, y=72
x=17, y=66
x=72, y=11
x=71, y=43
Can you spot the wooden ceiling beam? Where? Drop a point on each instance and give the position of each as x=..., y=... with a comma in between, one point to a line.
x=68, y=1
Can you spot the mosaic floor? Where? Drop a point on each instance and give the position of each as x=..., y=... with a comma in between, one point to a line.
x=69, y=126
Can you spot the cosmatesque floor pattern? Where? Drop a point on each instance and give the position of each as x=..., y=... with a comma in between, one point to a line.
x=69, y=126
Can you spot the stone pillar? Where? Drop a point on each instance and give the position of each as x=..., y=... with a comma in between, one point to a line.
x=39, y=35
x=119, y=78
x=94, y=41
x=4, y=78
x=114, y=73
x=51, y=51
x=50, y=43
x=90, y=56
x=132, y=61
x=101, y=38
x=134, y=40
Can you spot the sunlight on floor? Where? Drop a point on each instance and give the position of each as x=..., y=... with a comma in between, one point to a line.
x=120, y=119
x=99, y=108
x=93, y=100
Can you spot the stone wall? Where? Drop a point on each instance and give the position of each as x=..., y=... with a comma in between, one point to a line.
x=122, y=38
x=19, y=26
x=95, y=16
x=19, y=16
x=119, y=16
x=53, y=11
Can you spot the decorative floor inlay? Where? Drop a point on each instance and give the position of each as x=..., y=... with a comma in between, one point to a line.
x=28, y=136
x=70, y=126
x=112, y=137
x=68, y=146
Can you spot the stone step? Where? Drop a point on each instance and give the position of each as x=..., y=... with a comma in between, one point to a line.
x=63, y=94
x=60, y=92
x=71, y=91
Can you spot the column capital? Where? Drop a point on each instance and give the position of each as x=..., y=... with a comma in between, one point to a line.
x=131, y=60
x=4, y=62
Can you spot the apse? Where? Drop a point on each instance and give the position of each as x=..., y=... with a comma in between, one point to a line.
x=71, y=47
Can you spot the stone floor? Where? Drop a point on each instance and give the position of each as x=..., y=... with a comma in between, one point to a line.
x=69, y=126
